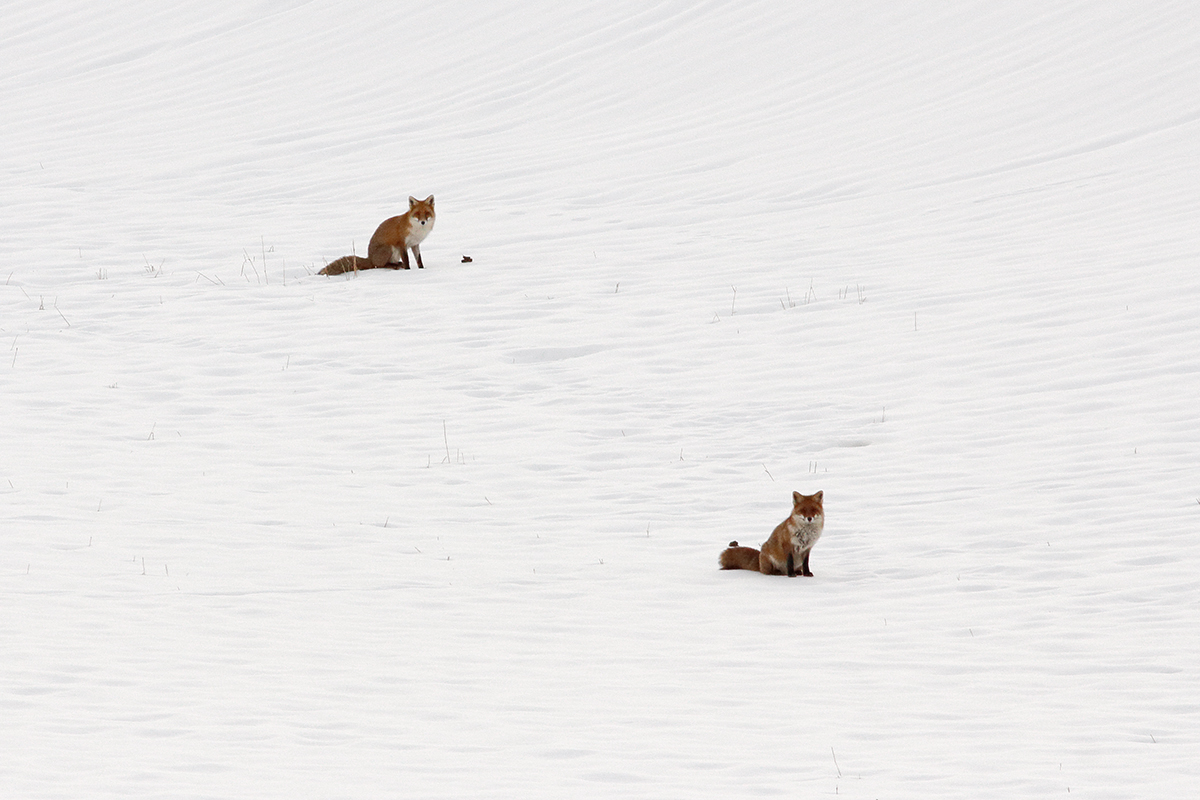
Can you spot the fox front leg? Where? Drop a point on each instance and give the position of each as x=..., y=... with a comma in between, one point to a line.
x=416, y=248
x=804, y=570
x=791, y=565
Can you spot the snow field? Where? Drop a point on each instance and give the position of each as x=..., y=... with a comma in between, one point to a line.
x=453, y=532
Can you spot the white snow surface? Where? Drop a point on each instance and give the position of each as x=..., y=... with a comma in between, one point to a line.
x=454, y=532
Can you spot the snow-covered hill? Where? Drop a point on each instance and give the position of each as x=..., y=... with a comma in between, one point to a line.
x=453, y=532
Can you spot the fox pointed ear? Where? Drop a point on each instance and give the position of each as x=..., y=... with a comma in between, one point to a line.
x=412, y=201
x=819, y=496
x=796, y=498
x=429, y=199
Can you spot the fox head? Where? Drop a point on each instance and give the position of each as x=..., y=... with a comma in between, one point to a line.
x=421, y=211
x=808, y=507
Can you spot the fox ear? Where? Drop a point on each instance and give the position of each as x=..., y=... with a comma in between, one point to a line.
x=429, y=199
x=796, y=498
x=819, y=496
x=412, y=201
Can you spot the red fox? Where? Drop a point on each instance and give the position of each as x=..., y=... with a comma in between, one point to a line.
x=786, y=552
x=392, y=240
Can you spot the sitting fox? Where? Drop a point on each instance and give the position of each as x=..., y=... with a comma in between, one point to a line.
x=786, y=552
x=392, y=240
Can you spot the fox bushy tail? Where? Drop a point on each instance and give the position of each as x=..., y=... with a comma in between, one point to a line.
x=737, y=557
x=347, y=264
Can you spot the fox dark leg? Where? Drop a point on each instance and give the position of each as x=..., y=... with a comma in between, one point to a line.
x=417, y=252
x=403, y=258
x=804, y=570
x=791, y=565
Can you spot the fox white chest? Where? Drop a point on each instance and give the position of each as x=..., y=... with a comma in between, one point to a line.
x=417, y=231
x=806, y=533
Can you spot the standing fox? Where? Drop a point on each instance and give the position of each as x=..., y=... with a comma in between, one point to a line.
x=392, y=240
x=789, y=545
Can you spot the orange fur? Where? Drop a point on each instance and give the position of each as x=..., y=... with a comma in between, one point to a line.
x=736, y=557
x=392, y=240
x=786, y=551
x=346, y=264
